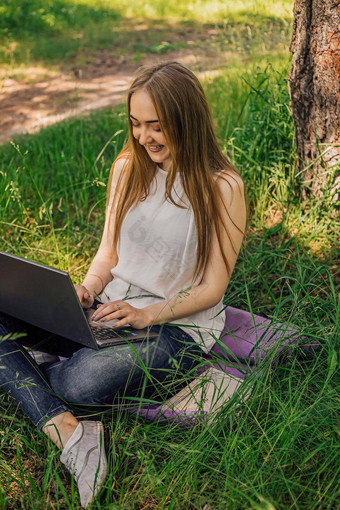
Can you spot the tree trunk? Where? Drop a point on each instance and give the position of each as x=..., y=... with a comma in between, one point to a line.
x=315, y=93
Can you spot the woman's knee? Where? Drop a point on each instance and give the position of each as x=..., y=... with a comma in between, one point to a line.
x=89, y=377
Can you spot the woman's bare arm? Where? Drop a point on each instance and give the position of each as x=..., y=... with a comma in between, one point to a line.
x=99, y=273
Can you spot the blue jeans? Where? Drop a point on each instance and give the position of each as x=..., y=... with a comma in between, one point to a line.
x=89, y=377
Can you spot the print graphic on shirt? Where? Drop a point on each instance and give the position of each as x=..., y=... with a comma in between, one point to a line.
x=157, y=248
x=137, y=233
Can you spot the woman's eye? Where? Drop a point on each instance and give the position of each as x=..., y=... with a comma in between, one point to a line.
x=157, y=129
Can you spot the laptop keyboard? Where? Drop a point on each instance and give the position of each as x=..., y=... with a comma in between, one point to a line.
x=107, y=333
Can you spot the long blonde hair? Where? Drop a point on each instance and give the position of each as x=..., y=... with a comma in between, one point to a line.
x=185, y=119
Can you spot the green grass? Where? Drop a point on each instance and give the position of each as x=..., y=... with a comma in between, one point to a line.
x=68, y=33
x=281, y=450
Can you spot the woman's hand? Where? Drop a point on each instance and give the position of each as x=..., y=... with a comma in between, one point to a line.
x=123, y=311
x=86, y=299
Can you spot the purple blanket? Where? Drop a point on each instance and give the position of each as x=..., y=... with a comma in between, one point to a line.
x=245, y=341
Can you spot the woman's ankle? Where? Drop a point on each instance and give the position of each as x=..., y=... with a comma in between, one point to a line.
x=60, y=428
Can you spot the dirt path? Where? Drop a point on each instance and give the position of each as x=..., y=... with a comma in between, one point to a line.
x=39, y=97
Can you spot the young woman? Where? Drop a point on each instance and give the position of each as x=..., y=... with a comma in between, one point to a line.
x=175, y=220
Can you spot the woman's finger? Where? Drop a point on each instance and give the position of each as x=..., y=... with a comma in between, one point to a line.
x=122, y=322
x=111, y=305
x=85, y=298
x=112, y=316
x=107, y=309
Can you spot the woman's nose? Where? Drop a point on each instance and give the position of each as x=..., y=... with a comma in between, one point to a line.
x=144, y=136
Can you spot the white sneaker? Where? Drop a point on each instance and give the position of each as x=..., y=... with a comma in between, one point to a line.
x=84, y=456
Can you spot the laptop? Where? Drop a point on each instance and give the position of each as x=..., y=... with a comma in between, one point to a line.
x=45, y=297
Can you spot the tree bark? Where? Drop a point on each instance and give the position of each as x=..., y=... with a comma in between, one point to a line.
x=315, y=93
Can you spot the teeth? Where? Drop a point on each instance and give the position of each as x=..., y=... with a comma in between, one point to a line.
x=154, y=147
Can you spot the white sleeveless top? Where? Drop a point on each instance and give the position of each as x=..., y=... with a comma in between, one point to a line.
x=156, y=259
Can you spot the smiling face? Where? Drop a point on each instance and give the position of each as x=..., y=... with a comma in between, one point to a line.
x=146, y=129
